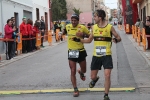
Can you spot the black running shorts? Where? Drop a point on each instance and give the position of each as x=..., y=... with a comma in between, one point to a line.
x=98, y=62
x=82, y=56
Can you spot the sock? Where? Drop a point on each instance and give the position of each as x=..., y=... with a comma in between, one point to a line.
x=106, y=95
x=75, y=89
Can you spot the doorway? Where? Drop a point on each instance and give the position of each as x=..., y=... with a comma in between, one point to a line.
x=46, y=24
x=16, y=19
x=37, y=14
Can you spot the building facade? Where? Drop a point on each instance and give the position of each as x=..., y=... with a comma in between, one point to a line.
x=143, y=8
x=129, y=12
x=84, y=5
x=32, y=9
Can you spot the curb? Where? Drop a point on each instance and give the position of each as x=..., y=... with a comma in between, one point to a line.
x=15, y=92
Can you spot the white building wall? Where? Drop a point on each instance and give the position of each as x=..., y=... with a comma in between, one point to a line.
x=14, y=7
x=43, y=6
x=9, y=7
x=7, y=10
x=24, y=2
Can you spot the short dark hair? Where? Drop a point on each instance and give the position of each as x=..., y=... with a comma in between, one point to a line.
x=8, y=21
x=29, y=21
x=101, y=13
x=76, y=16
x=12, y=17
x=138, y=19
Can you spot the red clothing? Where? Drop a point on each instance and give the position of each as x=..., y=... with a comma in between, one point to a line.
x=23, y=29
x=8, y=31
x=29, y=29
x=35, y=31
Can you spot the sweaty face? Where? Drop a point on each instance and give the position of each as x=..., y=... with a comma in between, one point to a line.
x=74, y=22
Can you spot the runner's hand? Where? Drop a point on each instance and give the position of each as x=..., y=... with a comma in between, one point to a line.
x=115, y=40
x=79, y=34
x=76, y=39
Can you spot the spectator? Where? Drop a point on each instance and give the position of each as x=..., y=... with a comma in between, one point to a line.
x=23, y=31
x=60, y=28
x=59, y=25
x=0, y=33
x=30, y=33
x=89, y=26
x=14, y=36
x=36, y=29
x=147, y=30
x=8, y=35
x=55, y=27
x=138, y=22
x=42, y=30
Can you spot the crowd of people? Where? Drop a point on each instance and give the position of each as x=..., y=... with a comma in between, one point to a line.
x=58, y=25
x=28, y=30
x=145, y=25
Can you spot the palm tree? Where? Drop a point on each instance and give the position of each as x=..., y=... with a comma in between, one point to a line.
x=77, y=11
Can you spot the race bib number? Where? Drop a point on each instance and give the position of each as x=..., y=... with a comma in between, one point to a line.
x=101, y=50
x=73, y=53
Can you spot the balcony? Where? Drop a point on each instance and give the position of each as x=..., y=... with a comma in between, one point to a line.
x=136, y=1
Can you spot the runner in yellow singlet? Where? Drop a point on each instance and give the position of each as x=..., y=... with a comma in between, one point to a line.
x=102, y=34
x=76, y=50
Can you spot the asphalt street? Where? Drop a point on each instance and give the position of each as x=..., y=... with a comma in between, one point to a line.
x=49, y=69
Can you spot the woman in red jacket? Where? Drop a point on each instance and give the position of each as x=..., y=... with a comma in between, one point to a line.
x=36, y=29
x=30, y=33
x=8, y=35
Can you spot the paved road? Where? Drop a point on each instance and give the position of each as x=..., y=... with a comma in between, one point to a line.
x=48, y=69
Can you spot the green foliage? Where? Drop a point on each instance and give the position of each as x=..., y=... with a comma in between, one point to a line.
x=59, y=10
x=77, y=11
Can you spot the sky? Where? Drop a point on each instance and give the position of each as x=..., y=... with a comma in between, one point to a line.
x=111, y=3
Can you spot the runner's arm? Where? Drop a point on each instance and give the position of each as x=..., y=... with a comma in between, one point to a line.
x=117, y=37
x=87, y=40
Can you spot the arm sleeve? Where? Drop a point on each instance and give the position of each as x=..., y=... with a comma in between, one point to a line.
x=8, y=30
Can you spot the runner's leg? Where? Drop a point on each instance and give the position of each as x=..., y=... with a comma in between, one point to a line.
x=107, y=73
x=72, y=65
x=83, y=66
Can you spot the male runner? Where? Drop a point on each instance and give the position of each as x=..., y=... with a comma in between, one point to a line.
x=102, y=34
x=76, y=50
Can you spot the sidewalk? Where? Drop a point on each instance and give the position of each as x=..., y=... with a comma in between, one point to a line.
x=139, y=61
x=145, y=54
x=5, y=62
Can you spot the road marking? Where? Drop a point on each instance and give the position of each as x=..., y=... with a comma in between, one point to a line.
x=64, y=90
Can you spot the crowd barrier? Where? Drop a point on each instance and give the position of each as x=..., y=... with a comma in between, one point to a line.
x=127, y=28
x=38, y=40
x=140, y=36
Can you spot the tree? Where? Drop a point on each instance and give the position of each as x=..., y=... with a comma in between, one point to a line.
x=59, y=10
x=77, y=11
